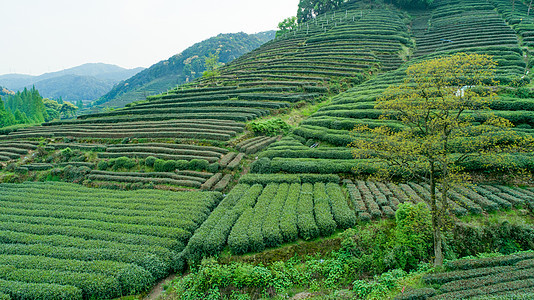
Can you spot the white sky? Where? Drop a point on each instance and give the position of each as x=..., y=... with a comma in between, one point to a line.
x=39, y=36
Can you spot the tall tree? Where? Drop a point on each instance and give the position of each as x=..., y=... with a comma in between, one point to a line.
x=212, y=65
x=6, y=117
x=68, y=110
x=309, y=9
x=436, y=105
x=286, y=26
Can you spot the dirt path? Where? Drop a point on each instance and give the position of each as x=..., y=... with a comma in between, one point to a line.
x=158, y=289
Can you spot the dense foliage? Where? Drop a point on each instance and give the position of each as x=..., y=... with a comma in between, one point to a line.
x=309, y=9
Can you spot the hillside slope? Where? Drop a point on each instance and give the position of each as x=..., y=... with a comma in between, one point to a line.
x=181, y=68
x=324, y=78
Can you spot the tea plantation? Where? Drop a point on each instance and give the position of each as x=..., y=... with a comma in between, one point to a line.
x=256, y=161
x=66, y=239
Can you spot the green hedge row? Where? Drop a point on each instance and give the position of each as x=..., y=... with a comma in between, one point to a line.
x=23, y=290
x=151, y=175
x=245, y=143
x=265, y=179
x=154, y=180
x=90, y=233
x=131, y=153
x=258, y=145
x=177, y=111
x=305, y=213
x=492, y=279
x=304, y=152
x=197, y=246
x=334, y=137
x=235, y=162
x=165, y=150
x=157, y=266
x=11, y=150
x=225, y=160
x=132, y=278
x=288, y=219
x=466, y=264
x=178, y=147
x=323, y=213
x=208, y=185
x=161, y=165
x=238, y=240
x=343, y=215
x=503, y=287
x=261, y=213
x=272, y=235
x=223, y=183
x=158, y=231
x=91, y=285
x=118, y=135
x=320, y=166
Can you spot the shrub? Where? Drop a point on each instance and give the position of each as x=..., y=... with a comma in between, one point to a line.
x=198, y=164
x=271, y=127
x=122, y=163
x=413, y=235
x=149, y=161
x=213, y=168
x=75, y=174
x=261, y=166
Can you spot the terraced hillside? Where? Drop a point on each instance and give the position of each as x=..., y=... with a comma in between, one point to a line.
x=333, y=52
x=507, y=277
x=449, y=27
x=197, y=140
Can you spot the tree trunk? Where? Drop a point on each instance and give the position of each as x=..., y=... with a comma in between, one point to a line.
x=436, y=223
x=529, y=6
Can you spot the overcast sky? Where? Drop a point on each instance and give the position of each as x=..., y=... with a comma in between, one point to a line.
x=39, y=36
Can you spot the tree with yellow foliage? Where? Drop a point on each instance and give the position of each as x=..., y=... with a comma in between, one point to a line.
x=436, y=105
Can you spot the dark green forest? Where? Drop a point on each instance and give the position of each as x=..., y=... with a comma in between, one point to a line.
x=29, y=107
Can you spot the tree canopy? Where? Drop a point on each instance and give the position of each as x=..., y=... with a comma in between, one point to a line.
x=436, y=105
x=212, y=65
x=309, y=9
x=28, y=107
x=286, y=26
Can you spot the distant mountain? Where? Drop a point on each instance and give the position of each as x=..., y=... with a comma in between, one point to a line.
x=181, y=68
x=85, y=82
x=73, y=87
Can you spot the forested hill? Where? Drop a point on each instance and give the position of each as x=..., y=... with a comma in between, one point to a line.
x=182, y=68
